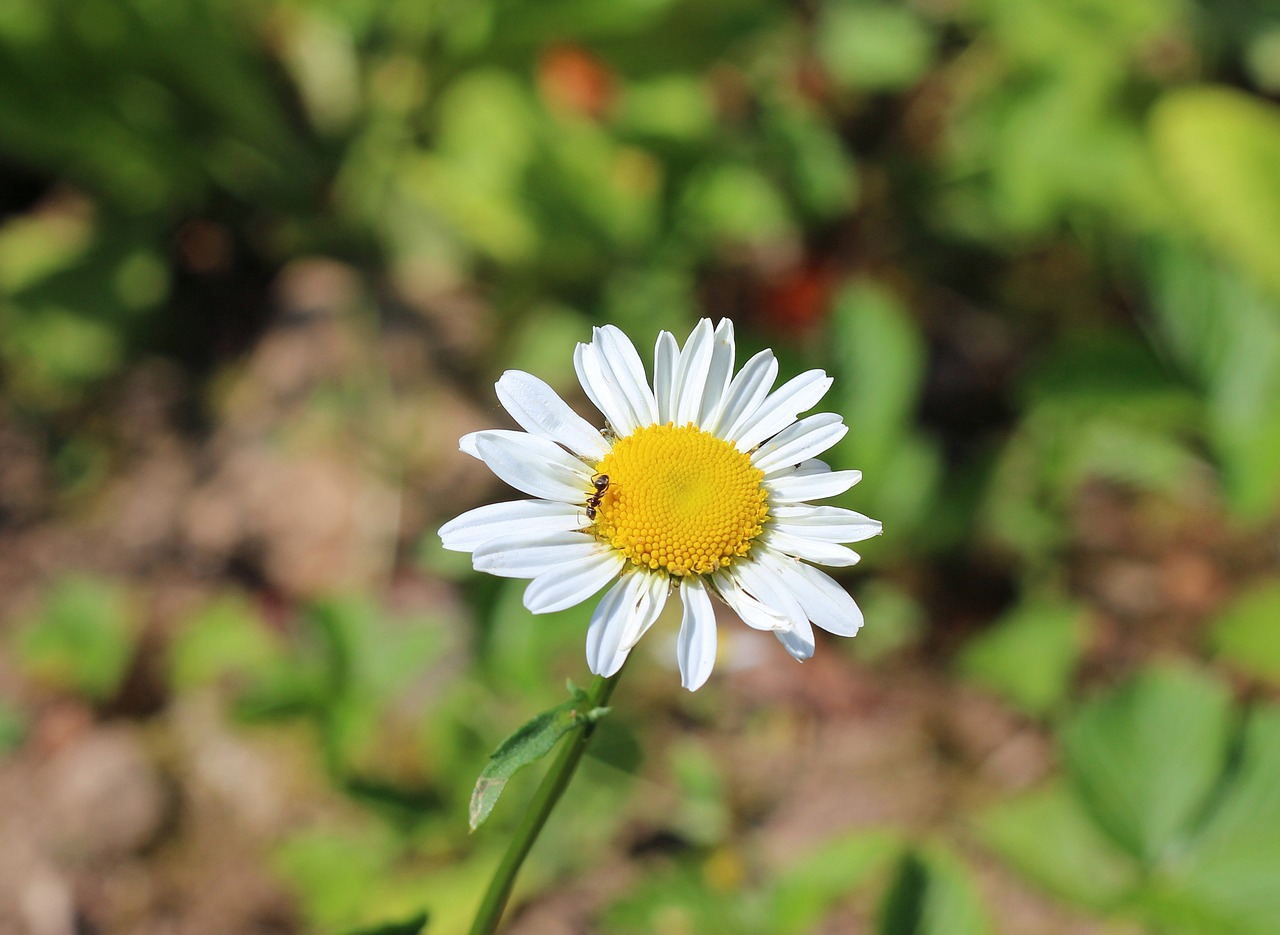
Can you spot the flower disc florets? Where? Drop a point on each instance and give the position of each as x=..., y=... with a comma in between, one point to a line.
x=680, y=500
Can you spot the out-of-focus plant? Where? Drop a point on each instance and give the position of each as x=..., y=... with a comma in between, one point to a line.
x=1189, y=849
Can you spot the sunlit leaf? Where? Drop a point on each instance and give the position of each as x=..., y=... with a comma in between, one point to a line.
x=873, y=47
x=1220, y=150
x=528, y=744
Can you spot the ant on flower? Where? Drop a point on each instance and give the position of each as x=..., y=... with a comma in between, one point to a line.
x=601, y=483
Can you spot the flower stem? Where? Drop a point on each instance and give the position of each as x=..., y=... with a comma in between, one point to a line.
x=544, y=800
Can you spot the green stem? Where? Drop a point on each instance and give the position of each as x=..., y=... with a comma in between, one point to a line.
x=544, y=800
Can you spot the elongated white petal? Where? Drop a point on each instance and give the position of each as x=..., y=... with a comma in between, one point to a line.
x=626, y=611
x=753, y=613
x=513, y=518
x=817, y=551
x=829, y=523
x=723, y=353
x=538, y=466
x=797, y=487
x=800, y=441
x=529, y=556
x=619, y=358
x=569, y=585
x=467, y=445
x=691, y=374
x=827, y=604
x=745, y=393
x=780, y=409
x=666, y=355
x=761, y=580
x=599, y=387
x=798, y=641
x=696, y=645
x=537, y=408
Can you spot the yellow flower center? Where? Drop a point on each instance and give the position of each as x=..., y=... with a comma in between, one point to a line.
x=679, y=499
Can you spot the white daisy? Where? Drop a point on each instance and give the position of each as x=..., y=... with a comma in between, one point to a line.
x=700, y=483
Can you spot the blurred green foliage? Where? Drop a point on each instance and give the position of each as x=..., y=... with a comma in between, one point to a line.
x=1036, y=241
x=1189, y=849
x=82, y=638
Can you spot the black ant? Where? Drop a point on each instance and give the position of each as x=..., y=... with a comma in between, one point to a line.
x=601, y=483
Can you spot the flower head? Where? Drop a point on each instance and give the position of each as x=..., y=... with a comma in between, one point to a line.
x=700, y=483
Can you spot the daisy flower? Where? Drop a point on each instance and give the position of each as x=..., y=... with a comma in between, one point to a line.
x=699, y=484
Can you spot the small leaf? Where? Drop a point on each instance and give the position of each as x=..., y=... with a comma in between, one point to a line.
x=414, y=925
x=1029, y=656
x=1247, y=633
x=933, y=894
x=534, y=740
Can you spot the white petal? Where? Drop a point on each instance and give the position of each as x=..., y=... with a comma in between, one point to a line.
x=619, y=358
x=515, y=517
x=467, y=445
x=535, y=465
x=745, y=393
x=828, y=605
x=763, y=581
x=798, y=642
x=696, y=645
x=723, y=353
x=753, y=613
x=780, y=409
x=537, y=408
x=621, y=618
x=531, y=555
x=828, y=523
x=666, y=355
x=800, y=441
x=817, y=551
x=570, y=585
x=600, y=389
x=691, y=374
x=798, y=487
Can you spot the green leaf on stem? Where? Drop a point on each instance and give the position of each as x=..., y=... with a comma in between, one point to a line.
x=531, y=742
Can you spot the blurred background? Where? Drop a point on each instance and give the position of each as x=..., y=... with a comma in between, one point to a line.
x=260, y=264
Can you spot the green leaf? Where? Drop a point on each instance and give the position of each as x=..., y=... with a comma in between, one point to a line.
x=226, y=639
x=873, y=47
x=1227, y=334
x=1049, y=838
x=13, y=727
x=1227, y=880
x=805, y=892
x=1029, y=656
x=736, y=203
x=414, y=925
x=1220, y=150
x=933, y=894
x=1145, y=758
x=1248, y=632
x=84, y=638
x=881, y=357
x=530, y=742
